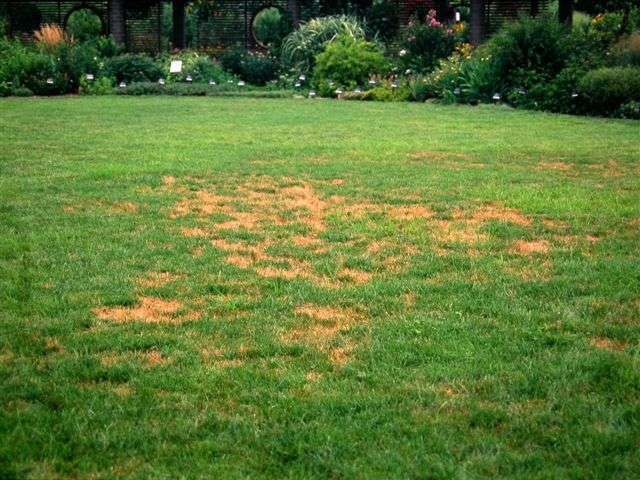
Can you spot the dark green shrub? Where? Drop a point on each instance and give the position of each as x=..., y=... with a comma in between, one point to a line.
x=83, y=25
x=106, y=46
x=253, y=68
x=22, y=92
x=258, y=69
x=605, y=90
x=629, y=110
x=270, y=26
x=424, y=44
x=528, y=50
x=132, y=68
x=200, y=68
x=348, y=63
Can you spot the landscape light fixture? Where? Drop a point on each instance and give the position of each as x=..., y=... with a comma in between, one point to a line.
x=89, y=77
x=312, y=94
x=123, y=85
x=241, y=83
x=212, y=82
x=49, y=81
x=457, y=16
x=189, y=78
x=497, y=97
x=161, y=81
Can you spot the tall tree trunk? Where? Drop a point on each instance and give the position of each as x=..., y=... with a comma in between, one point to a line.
x=477, y=21
x=565, y=12
x=179, y=24
x=293, y=7
x=117, y=21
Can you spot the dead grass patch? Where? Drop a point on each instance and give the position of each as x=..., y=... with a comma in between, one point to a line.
x=438, y=155
x=560, y=166
x=148, y=310
x=194, y=232
x=124, y=207
x=607, y=344
x=531, y=247
x=355, y=276
x=157, y=279
x=409, y=212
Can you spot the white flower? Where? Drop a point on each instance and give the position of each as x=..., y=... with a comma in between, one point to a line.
x=403, y=52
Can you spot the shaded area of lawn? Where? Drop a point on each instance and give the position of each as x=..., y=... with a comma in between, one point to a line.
x=282, y=288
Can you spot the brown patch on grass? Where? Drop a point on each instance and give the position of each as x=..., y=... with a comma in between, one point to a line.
x=197, y=252
x=607, y=344
x=157, y=279
x=524, y=247
x=68, y=209
x=153, y=358
x=240, y=261
x=124, y=207
x=561, y=166
x=495, y=212
x=356, y=276
x=326, y=324
x=148, y=310
x=168, y=180
x=337, y=182
x=194, y=232
x=456, y=231
x=313, y=376
x=216, y=357
x=553, y=224
x=409, y=212
x=53, y=345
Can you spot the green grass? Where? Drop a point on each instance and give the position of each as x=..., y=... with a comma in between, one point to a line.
x=245, y=288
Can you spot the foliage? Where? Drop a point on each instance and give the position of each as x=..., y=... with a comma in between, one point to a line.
x=627, y=51
x=50, y=36
x=301, y=47
x=131, y=67
x=390, y=91
x=199, y=67
x=271, y=26
x=98, y=86
x=347, y=62
x=84, y=25
x=605, y=90
x=630, y=110
x=106, y=46
x=527, y=51
x=22, y=66
x=252, y=67
x=423, y=44
x=198, y=90
x=382, y=19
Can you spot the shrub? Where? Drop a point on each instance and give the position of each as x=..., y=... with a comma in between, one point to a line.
x=629, y=110
x=252, y=67
x=627, y=51
x=50, y=36
x=99, y=86
x=300, y=48
x=270, y=26
x=132, y=68
x=605, y=90
x=347, y=62
x=424, y=44
x=199, y=67
x=528, y=50
x=84, y=24
x=388, y=91
x=22, y=66
x=106, y=46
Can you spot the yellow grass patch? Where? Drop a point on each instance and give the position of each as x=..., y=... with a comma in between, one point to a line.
x=148, y=310
x=607, y=343
x=524, y=247
x=157, y=279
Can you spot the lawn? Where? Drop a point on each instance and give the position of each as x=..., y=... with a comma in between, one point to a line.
x=244, y=288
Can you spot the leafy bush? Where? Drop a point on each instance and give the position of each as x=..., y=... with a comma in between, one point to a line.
x=388, y=91
x=301, y=47
x=22, y=66
x=528, y=51
x=83, y=25
x=271, y=26
x=424, y=44
x=185, y=89
x=199, y=67
x=106, y=46
x=132, y=68
x=629, y=110
x=99, y=86
x=627, y=51
x=605, y=90
x=252, y=67
x=347, y=62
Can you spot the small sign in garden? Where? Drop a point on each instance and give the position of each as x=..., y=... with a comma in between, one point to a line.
x=176, y=66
